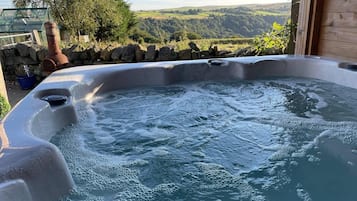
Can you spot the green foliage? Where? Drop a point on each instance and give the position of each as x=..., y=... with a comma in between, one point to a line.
x=273, y=42
x=141, y=36
x=114, y=20
x=184, y=35
x=184, y=12
x=105, y=20
x=4, y=107
x=25, y=3
x=193, y=36
x=20, y=3
x=179, y=36
x=73, y=15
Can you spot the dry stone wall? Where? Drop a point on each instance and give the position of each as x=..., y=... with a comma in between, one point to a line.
x=14, y=58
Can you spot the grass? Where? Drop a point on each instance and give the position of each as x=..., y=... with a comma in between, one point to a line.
x=229, y=44
x=201, y=15
x=268, y=13
x=168, y=15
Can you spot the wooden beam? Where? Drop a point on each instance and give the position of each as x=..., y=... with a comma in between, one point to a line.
x=293, y=25
x=36, y=37
x=303, y=26
x=310, y=15
x=314, y=33
x=3, y=91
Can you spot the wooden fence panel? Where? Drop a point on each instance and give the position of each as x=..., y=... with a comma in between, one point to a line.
x=338, y=36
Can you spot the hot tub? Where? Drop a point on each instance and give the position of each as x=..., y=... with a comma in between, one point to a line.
x=31, y=168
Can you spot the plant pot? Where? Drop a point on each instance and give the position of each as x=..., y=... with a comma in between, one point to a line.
x=26, y=82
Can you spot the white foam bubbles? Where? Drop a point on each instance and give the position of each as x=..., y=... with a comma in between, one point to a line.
x=214, y=133
x=302, y=194
x=99, y=176
x=216, y=177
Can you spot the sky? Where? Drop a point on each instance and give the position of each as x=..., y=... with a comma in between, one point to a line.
x=5, y=4
x=160, y=4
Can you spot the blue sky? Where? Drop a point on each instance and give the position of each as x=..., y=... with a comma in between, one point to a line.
x=158, y=4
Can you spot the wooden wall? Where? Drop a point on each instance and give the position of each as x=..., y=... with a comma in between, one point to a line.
x=328, y=29
x=338, y=31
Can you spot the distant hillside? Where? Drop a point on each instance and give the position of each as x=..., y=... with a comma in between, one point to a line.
x=214, y=21
x=272, y=7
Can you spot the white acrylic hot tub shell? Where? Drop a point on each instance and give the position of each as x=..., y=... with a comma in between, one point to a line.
x=32, y=168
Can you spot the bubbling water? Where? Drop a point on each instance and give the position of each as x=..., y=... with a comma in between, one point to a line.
x=238, y=140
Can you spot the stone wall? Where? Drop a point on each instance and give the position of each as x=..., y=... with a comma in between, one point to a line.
x=14, y=58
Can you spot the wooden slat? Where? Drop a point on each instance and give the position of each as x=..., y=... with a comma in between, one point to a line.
x=3, y=91
x=337, y=48
x=295, y=4
x=315, y=21
x=339, y=57
x=341, y=6
x=344, y=19
x=310, y=16
x=338, y=30
x=348, y=35
x=303, y=27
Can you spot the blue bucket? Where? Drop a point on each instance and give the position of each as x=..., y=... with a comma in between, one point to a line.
x=26, y=82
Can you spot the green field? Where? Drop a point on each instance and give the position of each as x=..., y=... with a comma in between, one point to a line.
x=202, y=15
x=168, y=15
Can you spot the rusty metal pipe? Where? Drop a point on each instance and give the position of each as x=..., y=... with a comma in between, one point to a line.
x=55, y=59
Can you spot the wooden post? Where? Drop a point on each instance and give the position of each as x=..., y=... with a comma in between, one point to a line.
x=3, y=91
x=309, y=20
x=315, y=26
x=303, y=26
x=36, y=37
x=293, y=26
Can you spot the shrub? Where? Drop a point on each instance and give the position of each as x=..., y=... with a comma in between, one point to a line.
x=193, y=36
x=4, y=107
x=274, y=42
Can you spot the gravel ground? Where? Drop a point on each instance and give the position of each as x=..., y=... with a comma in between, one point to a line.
x=15, y=93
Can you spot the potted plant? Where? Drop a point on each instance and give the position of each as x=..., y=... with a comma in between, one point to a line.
x=25, y=77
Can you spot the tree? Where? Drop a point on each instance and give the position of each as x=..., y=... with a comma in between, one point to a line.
x=74, y=16
x=193, y=36
x=106, y=20
x=139, y=35
x=179, y=36
x=20, y=3
x=26, y=3
x=114, y=19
